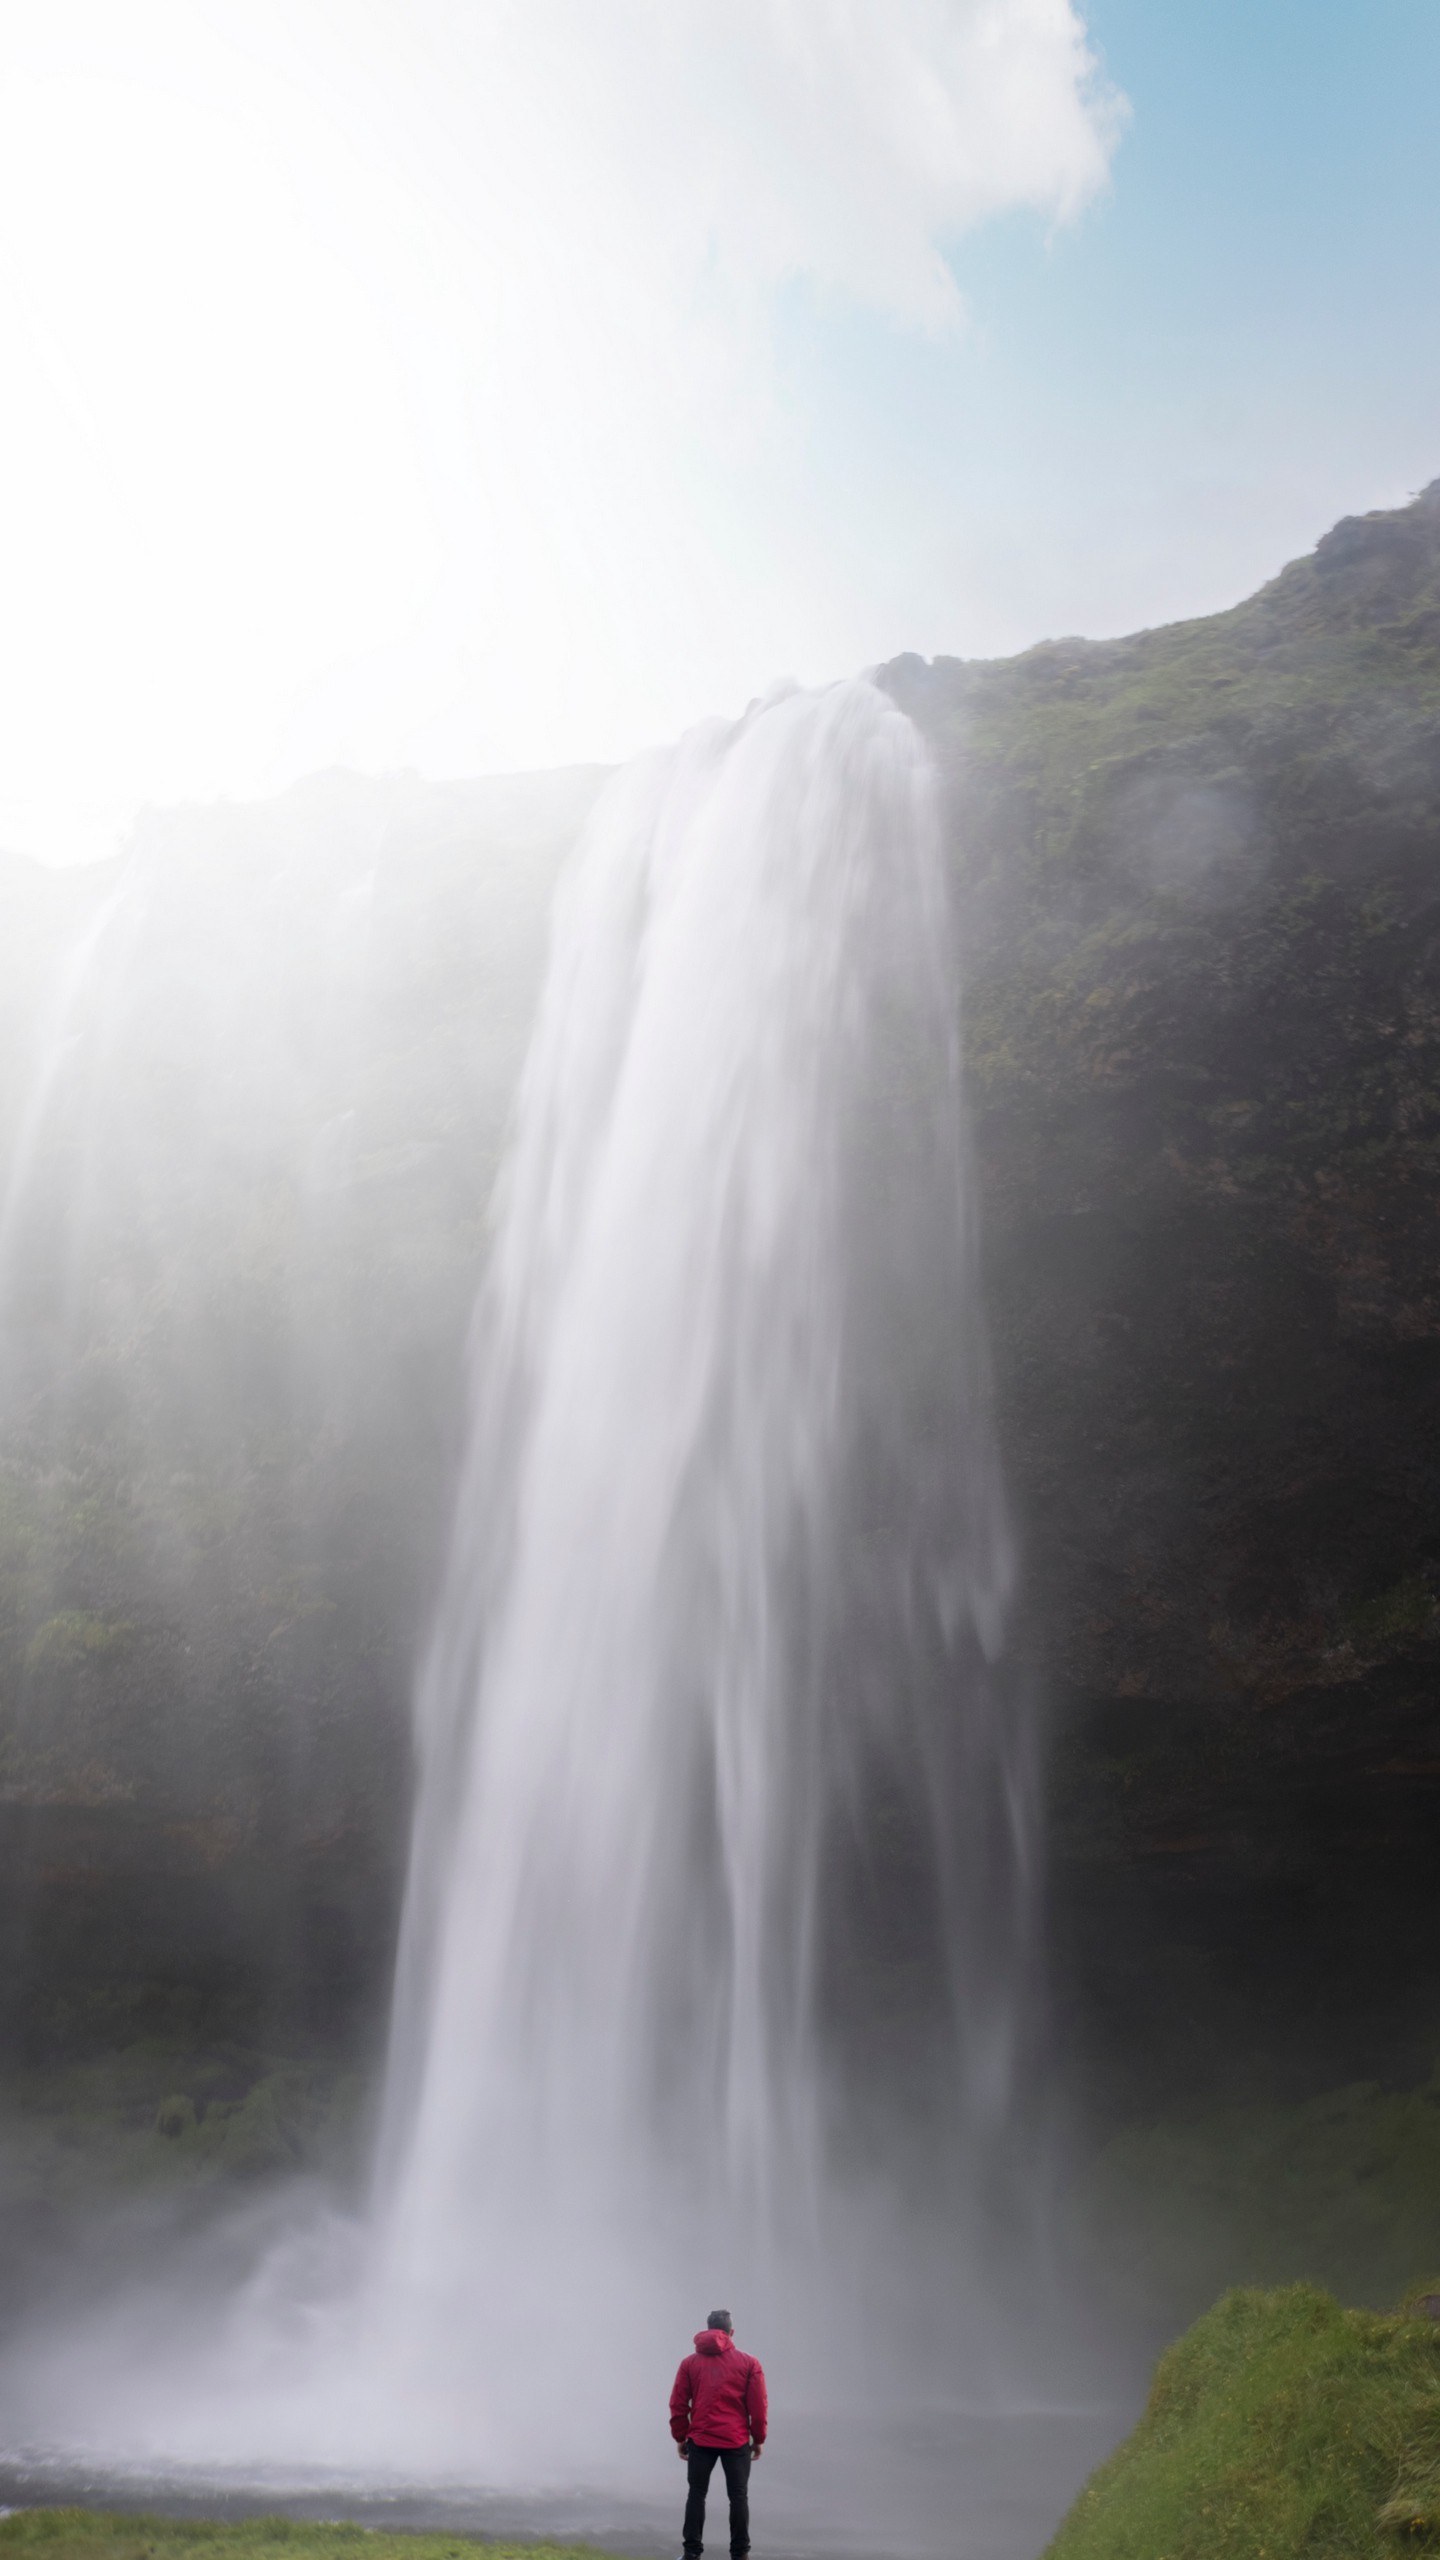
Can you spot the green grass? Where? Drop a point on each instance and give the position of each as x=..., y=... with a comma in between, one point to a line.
x=56, y=2532
x=1280, y=2427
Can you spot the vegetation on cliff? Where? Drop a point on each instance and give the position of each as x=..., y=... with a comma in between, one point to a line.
x=1200, y=871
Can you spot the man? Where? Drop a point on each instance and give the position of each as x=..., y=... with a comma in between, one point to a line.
x=718, y=2413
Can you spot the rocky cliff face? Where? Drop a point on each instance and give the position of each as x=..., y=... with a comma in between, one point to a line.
x=1201, y=878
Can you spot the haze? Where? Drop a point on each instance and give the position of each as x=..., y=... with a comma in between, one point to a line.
x=479, y=388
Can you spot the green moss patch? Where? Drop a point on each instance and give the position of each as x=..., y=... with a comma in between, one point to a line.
x=1280, y=2427
x=56, y=2532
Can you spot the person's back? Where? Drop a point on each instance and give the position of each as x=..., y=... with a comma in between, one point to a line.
x=718, y=2413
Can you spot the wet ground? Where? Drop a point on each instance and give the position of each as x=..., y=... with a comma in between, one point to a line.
x=958, y=2486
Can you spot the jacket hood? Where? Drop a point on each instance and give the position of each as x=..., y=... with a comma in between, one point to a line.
x=713, y=2342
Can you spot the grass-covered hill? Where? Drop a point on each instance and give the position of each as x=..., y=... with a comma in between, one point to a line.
x=1281, y=2427
x=1201, y=877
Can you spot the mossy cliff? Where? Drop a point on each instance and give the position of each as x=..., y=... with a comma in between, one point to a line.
x=1200, y=879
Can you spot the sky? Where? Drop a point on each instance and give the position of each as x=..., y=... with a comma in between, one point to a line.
x=475, y=385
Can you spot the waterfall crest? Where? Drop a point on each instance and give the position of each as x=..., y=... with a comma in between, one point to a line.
x=714, y=1771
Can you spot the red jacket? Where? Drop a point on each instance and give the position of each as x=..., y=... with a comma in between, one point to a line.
x=719, y=2395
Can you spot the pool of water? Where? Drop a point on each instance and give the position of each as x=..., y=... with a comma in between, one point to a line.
x=957, y=2486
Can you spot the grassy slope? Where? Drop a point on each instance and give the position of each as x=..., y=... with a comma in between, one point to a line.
x=1279, y=2426
x=57, y=2532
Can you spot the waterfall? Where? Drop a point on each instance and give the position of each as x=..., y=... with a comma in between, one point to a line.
x=722, y=1827
x=713, y=1965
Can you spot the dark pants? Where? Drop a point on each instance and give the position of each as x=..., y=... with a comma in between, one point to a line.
x=701, y=2462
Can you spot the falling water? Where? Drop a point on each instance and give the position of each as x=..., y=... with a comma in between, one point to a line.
x=59, y=1035
x=708, y=1725
x=714, y=1958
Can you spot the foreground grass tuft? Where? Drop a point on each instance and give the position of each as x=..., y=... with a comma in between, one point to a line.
x=57, y=2533
x=1279, y=2426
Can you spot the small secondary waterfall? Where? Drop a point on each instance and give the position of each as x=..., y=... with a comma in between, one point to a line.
x=714, y=1770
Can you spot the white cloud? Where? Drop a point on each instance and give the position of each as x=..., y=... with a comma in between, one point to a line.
x=849, y=142
x=392, y=379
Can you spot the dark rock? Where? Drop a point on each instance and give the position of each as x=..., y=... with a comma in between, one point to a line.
x=1200, y=880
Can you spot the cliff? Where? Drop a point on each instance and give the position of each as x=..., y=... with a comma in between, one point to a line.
x=1200, y=876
